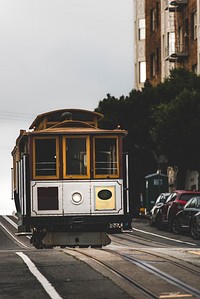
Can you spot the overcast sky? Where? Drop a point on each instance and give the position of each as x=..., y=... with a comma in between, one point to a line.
x=58, y=54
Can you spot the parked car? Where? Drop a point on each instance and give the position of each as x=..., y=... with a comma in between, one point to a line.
x=174, y=203
x=195, y=226
x=185, y=220
x=161, y=199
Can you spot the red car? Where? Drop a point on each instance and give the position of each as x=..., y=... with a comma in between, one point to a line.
x=174, y=203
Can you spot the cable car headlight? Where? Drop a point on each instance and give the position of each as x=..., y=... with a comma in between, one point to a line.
x=77, y=198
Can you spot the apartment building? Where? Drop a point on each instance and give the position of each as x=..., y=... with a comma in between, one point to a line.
x=170, y=38
x=140, y=43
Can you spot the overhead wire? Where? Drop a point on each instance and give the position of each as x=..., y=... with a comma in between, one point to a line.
x=9, y=115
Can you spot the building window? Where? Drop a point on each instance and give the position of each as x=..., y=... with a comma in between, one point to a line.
x=194, y=68
x=186, y=34
x=171, y=43
x=157, y=60
x=194, y=25
x=142, y=30
x=157, y=13
x=153, y=65
x=180, y=39
x=153, y=19
x=142, y=71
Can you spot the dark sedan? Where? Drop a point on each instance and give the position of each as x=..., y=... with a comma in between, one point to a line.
x=188, y=218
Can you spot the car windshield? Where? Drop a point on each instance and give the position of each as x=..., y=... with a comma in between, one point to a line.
x=186, y=196
x=159, y=199
x=162, y=198
x=172, y=197
x=190, y=203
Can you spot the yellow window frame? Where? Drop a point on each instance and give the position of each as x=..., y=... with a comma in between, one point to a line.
x=57, y=159
x=117, y=155
x=64, y=143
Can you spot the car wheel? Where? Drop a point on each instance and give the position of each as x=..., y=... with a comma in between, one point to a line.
x=151, y=222
x=158, y=222
x=170, y=223
x=176, y=227
x=193, y=230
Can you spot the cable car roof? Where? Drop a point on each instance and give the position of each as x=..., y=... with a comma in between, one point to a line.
x=52, y=118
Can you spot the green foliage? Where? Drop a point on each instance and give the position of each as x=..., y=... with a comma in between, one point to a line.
x=178, y=80
x=177, y=129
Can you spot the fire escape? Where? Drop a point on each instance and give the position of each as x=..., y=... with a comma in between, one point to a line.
x=177, y=39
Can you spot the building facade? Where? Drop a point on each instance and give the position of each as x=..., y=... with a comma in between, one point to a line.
x=171, y=38
x=140, y=43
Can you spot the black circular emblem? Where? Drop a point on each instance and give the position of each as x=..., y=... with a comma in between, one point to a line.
x=105, y=194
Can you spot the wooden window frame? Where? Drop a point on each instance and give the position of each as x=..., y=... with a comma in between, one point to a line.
x=102, y=176
x=46, y=177
x=64, y=143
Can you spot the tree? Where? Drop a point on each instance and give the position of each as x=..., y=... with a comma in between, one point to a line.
x=176, y=130
x=176, y=126
x=178, y=80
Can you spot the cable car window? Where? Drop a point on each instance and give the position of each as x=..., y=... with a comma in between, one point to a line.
x=106, y=157
x=45, y=157
x=76, y=157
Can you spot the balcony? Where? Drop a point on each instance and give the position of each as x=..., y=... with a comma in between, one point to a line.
x=177, y=57
x=176, y=6
x=176, y=54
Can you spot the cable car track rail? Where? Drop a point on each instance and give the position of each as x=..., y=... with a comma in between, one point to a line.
x=164, y=237
x=158, y=255
x=180, y=288
x=141, y=242
x=177, y=264
x=163, y=275
x=145, y=291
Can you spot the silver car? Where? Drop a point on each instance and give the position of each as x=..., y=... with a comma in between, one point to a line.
x=159, y=201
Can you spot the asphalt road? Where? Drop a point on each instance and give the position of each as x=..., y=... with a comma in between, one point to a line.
x=29, y=273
